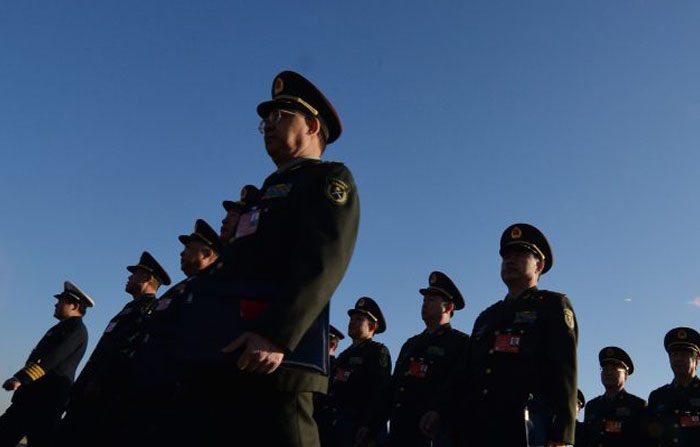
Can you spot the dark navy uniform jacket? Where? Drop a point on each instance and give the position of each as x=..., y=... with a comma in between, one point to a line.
x=50, y=368
x=523, y=347
x=619, y=422
x=292, y=246
x=674, y=415
x=107, y=363
x=423, y=368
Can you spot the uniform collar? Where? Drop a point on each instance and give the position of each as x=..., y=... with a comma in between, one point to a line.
x=292, y=163
x=693, y=383
x=524, y=294
x=440, y=330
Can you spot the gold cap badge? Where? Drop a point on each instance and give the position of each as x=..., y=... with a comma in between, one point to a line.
x=279, y=86
x=516, y=233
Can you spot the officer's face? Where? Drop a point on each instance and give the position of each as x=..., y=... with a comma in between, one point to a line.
x=286, y=135
x=194, y=258
x=613, y=376
x=136, y=281
x=519, y=264
x=683, y=363
x=433, y=308
x=228, y=224
x=332, y=345
x=360, y=326
x=63, y=308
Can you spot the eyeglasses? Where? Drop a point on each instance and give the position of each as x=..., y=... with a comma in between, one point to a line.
x=274, y=118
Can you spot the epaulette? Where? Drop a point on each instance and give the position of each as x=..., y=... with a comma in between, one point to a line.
x=549, y=293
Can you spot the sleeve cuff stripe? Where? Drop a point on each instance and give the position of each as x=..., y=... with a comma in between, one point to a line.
x=34, y=371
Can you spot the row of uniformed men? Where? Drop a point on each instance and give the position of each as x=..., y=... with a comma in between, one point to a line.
x=360, y=379
x=129, y=383
x=159, y=376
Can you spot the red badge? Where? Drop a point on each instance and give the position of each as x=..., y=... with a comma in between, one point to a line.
x=613, y=426
x=251, y=310
x=417, y=369
x=507, y=343
x=690, y=421
x=342, y=375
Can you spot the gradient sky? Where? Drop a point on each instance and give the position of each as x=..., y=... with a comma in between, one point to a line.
x=121, y=123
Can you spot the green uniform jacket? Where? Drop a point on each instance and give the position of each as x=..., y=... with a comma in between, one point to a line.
x=298, y=235
x=360, y=383
x=423, y=368
x=520, y=348
x=674, y=415
x=617, y=422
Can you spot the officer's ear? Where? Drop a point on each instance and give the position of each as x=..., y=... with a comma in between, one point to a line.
x=314, y=125
x=540, y=265
x=372, y=325
x=448, y=306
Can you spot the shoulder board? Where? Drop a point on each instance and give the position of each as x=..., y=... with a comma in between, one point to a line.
x=549, y=294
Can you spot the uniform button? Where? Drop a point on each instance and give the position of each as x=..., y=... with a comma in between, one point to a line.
x=488, y=370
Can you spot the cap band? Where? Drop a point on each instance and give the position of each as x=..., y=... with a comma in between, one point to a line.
x=297, y=99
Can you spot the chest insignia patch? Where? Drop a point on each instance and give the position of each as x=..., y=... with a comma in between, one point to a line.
x=337, y=190
x=622, y=411
x=527, y=316
x=436, y=350
x=277, y=191
x=355, y=361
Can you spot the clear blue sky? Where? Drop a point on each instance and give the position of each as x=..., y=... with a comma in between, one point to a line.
x=121, y=123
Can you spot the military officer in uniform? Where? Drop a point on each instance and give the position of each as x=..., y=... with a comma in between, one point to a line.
x=325, y=413
x=617, y=418
x=233, y=212
x=161, y=411
x=581, y=440
x=41, y=387
x=96, y=395
x=523, y=346
x=289, y=252
x=674, y=409
x=360, y=381
x=425, y=364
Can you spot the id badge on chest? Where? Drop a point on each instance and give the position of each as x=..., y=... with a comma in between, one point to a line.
x=417, y=368
x=163, y=304
x=248, y=224
x=507, y=343
x=342, y=375
x=688, y=420
x=613, y=426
